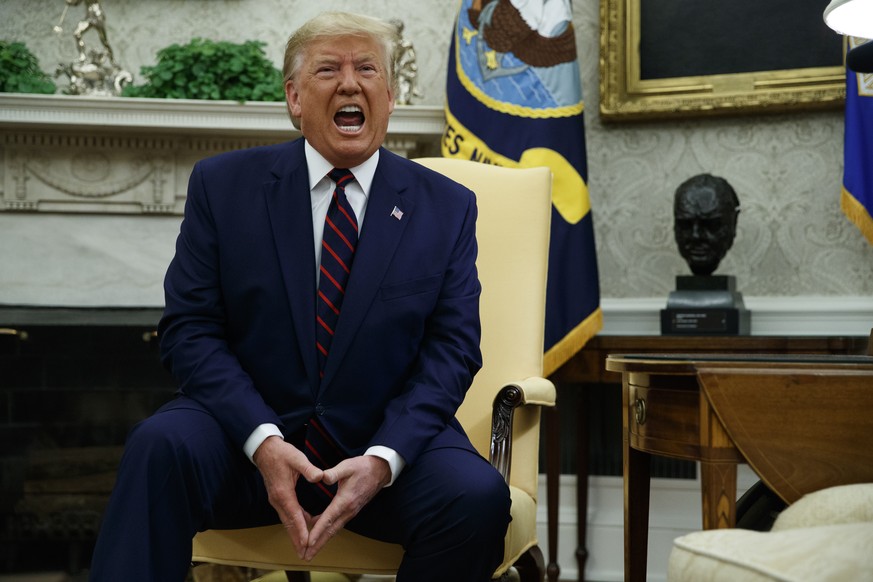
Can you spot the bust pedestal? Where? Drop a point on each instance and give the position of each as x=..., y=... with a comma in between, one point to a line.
x=705, y=305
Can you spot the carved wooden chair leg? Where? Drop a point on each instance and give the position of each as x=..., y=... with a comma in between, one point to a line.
x=531, y=566
x=297, y=576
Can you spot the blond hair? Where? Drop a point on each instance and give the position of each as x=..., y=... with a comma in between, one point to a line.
x=335, y=24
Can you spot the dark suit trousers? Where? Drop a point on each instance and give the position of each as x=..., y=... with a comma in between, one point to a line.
x=180, y=474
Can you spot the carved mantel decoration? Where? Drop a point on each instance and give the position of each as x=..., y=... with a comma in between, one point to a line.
x=133, y=156
x=80, y=173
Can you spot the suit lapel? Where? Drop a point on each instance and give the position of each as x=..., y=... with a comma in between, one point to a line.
x=380, y=236
x=290, y=208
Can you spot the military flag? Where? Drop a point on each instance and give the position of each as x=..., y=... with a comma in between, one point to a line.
x=514, y=98
x=857, y=194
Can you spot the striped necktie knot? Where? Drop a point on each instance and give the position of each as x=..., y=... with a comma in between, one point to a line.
x=340, y=176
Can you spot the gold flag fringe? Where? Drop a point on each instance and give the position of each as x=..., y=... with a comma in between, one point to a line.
x=574, y=341
x=857, y=214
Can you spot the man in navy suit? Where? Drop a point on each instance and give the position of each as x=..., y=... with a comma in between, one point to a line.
x=239, y=335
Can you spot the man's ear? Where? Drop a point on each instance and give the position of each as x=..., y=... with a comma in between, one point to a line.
x=292, y=98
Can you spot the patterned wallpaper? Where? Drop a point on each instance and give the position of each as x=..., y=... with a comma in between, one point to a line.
x=792, y=238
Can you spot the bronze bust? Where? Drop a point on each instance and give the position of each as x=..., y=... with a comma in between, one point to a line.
x=705, y=210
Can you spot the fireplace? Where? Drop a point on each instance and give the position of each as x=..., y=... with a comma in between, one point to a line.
x=72, y=384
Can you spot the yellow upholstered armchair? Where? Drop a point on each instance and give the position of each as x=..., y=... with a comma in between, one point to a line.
x=501, y=411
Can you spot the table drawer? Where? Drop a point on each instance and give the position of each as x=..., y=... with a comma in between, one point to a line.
x=664, y=421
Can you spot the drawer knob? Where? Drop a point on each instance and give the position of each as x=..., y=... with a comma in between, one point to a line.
x=640, y=410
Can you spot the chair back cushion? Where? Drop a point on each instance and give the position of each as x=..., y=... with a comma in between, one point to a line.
x=513, y=236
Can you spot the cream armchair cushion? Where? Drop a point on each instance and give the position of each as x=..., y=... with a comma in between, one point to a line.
x=816, y=554
x=834, y=505
x=825, y=536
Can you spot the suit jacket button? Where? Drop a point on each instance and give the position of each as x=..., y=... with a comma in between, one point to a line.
x=319, y=409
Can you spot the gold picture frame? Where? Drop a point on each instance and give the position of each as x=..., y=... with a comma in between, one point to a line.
x=625, y=96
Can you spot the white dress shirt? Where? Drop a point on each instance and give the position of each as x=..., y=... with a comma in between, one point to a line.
x=320, y=190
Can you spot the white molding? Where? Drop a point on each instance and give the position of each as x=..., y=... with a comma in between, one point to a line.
x=791, y=316
x=262, y=119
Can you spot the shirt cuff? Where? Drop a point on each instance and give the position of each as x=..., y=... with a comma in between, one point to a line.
x=395, y=461
x=258, y=436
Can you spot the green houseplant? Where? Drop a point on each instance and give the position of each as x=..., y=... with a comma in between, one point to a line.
x=207, y=69
x=20, y=72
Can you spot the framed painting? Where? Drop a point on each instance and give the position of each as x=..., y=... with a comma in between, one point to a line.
x=677, y=58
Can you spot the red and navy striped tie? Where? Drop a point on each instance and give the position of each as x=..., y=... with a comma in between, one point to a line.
x=337, y=252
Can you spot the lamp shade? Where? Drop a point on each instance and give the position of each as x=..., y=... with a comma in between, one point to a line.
x=850, y=17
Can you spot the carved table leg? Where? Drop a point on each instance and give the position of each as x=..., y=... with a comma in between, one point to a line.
x=718, y=487
x=637, y=472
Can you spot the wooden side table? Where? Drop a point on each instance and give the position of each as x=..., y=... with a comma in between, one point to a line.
x=587, y=368
x=714, y=409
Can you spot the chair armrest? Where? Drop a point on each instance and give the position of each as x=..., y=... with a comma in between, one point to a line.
x=534, y=391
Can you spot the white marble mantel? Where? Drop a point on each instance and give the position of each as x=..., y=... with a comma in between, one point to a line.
x=122, y=155
x=189, y=116
x=92, y=189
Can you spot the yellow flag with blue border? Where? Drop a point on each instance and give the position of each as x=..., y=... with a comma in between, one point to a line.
x=514, y=98
x=857, y=191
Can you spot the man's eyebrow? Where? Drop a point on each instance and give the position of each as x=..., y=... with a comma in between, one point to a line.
x=324, y=60
x=366, y=58
x=358, y=60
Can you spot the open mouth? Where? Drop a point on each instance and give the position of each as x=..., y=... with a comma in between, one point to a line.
x=349, y=119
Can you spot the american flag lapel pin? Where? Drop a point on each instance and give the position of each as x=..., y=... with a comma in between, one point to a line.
x=397, y=213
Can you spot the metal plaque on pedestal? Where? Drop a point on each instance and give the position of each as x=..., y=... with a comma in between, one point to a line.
x=705, y=305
